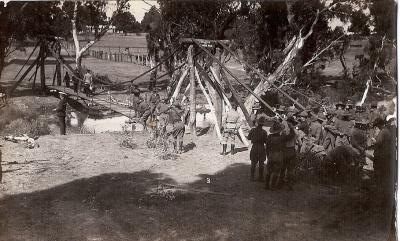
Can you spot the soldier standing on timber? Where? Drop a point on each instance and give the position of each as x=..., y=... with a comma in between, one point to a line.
x=88, y=83
x=230, y=126
x=66, y=79
x=61, y=112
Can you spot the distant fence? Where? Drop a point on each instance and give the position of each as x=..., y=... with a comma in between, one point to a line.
x=135, y=55
x=140, y=59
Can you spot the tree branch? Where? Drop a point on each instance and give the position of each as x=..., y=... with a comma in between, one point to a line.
x=316, y=55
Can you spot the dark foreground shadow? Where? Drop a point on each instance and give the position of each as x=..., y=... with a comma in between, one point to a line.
x=223, y=206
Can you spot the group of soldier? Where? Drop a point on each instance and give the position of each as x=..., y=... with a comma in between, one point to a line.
x=164, y=118
x=86, y=87
x=341, y=134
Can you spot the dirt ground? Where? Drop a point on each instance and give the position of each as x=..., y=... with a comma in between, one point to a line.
x=87, y=187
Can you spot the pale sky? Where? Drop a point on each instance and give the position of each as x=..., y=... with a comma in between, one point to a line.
x=138, y=8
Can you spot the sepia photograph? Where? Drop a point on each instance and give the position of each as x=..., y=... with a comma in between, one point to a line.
x=198, y=120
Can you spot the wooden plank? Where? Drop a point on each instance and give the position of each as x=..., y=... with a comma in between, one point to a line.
x=179, y=85
x=240, y=82
x=26, y=61
x=22, y=77
x=237, y=98
x=218, y=87
x=218, y=128
x=192, y=92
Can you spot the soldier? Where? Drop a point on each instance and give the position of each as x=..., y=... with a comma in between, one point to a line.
x=143, y=111
x=316, y=128
x=161, y=111
x=134, y=90
x=340, y=108
x=385, y=159
x=304, y=122
x=275, y=142
x=343, y=126
x=61, y=112
x=67, y=79
x=289, y=154
x=178, y=130
x=358, y=137
x=230, y=126
x=88, y=81
x=258, y=153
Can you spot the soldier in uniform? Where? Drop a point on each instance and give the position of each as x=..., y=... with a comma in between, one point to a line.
x=385, y=159
x=275, y=143
x=143, y=111
x=316, y=128
x=135, y=90
x=178, y=130
x=61, y=112
x=304, y=122
x=230, y=126
x=258, y=154
x=67, y=79
x=161, y=111
x=88, y=82
x=358, y=137
x=289, y=154
x=340, y=106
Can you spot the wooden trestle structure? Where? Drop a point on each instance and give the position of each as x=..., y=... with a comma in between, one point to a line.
x=210, y=79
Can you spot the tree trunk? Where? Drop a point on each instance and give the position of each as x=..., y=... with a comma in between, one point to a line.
x=291, y=51
x=58, y=67
x=3, y=46
x=78, y=57
x=343, y=62
x=42, y=69
x=192, y=98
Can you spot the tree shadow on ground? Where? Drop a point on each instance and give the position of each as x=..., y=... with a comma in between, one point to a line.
x=220, y=206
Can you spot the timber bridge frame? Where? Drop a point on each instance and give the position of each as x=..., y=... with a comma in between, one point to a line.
x=210, y=79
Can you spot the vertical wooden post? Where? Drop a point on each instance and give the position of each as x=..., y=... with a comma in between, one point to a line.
x=42, y=70
x=218, y=103
x=192, y=95
x=54, y=77
x=58, y=71
x=58, y=66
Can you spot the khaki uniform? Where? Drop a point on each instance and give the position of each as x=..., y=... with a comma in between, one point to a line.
x=231, y=124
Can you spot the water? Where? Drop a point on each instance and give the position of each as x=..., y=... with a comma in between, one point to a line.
x=111, y=124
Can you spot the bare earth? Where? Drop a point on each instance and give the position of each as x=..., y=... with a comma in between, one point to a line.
x=87, y=187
